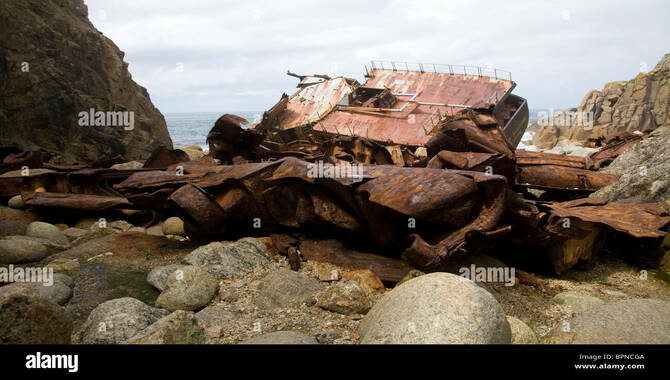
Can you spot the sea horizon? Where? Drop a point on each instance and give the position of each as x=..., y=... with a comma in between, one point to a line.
x=191, y=128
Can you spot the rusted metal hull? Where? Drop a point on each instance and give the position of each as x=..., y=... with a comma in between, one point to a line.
x=307, y=106
x=394, y=106
x=412, y=125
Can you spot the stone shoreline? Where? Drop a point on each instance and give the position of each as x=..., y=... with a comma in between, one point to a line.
x=131, y=285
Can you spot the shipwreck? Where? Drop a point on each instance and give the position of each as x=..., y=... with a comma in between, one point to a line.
x=441, y=178
x=400, y=104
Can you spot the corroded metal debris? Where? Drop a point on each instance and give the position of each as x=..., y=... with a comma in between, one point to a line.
x=642, y=220
x=14, y=159
x=555, y=177
x=228, y=139
x=422, y=215
x=557, y=172
x=611, y=147
x=393, y=205
x=336, y=252
x=418, y=164
x=574, y=231
x=77, y=201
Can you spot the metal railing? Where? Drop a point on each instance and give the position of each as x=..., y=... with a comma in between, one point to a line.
x=439, y=68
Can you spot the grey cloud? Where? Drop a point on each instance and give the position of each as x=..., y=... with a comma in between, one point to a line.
x=235, y=54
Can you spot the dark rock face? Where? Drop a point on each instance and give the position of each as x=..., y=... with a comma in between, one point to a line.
x=55, y=65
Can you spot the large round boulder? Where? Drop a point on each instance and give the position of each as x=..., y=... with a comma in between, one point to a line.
x=438, y=308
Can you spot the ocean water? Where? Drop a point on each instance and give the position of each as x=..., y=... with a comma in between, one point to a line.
x=192, y=128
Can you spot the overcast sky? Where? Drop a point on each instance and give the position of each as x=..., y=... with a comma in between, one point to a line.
x=227, y=56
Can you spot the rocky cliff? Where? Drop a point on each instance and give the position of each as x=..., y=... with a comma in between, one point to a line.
x=57, y=70
x=639, y=104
